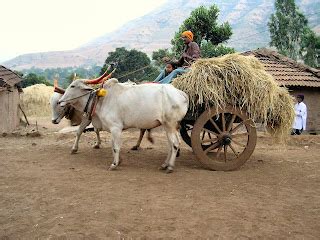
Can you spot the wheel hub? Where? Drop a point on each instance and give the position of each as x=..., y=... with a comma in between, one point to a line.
x=226, y=139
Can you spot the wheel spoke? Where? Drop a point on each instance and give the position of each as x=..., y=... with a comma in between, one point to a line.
x=223, y=122
x=238, y=143
x=209, y=140
x=225, y=148
x=215, y=125
x=203, y=133
x=230, y=124
x=233, y=150
x=207, y=130
x=240, y=135
x=213, y=146
x=219, y=151
x=237, y=127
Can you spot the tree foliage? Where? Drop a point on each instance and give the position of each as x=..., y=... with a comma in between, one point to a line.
x=209, y=50
x=159, y=55
x=207, y=32
x=310, y=48
x=131, y=64
x=64, y=74
x=32, y=78
x=287, y=26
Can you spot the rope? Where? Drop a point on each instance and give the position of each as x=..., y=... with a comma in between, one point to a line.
x=134, y=71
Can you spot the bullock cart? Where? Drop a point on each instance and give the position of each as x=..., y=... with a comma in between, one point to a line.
x=221, y=140
x=227, y=96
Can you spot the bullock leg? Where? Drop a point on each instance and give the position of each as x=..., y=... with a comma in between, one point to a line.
x=174, y=143
x=98, y=143
x=84, y=123
x=142, y=131
x=149, y=136
x=116, y=145
x=165, y=165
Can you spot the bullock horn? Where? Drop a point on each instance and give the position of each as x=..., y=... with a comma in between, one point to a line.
x=98, y=80
x=55, y=83
x=59, y=90
x=109, y=76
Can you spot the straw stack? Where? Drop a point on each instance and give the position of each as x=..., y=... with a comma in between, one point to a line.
x=35, y=100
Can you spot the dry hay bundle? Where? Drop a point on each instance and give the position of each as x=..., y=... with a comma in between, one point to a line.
x=239, y=81
x=35, y=100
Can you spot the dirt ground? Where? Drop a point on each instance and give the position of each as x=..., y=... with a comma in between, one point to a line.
x=47, y=193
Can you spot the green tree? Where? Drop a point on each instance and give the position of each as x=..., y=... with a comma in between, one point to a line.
x=72, y=77
x=287, y=26
x=32, y=78
x=203, y=23
x=310, y=48
x=209, y=50
x=159, y=55
x=132, y=64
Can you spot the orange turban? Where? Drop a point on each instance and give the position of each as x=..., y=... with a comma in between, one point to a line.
x=187, y=34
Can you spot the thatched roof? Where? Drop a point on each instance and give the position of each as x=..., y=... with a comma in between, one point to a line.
x=8, y=77
x=286, y=71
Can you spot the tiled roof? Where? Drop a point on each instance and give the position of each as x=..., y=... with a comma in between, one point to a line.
x=8, y=76
x=286, y=71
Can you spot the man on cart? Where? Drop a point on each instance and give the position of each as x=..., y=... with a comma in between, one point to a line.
x=190, y=54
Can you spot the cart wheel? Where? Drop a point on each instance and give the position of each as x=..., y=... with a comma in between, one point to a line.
x=223, y=140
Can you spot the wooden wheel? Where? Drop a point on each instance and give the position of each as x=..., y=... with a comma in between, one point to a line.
x=223, y=140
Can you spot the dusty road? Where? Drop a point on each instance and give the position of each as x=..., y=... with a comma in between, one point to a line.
x=46, y=193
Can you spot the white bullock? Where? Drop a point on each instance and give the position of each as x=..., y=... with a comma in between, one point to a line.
x=77, y=117
x=143, y=106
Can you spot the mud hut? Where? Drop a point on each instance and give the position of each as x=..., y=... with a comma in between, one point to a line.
x=297, y=77
x=9, y=100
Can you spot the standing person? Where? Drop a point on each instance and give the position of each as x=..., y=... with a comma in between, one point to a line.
x=300, y=120
x=189, y=55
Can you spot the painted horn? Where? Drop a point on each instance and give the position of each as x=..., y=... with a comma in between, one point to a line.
x=59, y=90
x=56, y=88
x=97, y=80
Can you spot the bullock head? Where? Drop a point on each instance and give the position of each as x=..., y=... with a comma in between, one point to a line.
x=75, y=92
x=59, y=112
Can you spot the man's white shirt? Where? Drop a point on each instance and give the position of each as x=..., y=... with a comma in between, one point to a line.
x=300, y=120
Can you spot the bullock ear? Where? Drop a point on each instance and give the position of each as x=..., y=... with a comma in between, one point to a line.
x=85, y=87
x=111, y=82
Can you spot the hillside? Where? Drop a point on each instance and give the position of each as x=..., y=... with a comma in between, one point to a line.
x=248, y=19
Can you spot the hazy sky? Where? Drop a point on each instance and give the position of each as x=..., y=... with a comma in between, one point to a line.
x=48, y=25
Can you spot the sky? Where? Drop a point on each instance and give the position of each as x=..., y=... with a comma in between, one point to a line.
x=29, y=26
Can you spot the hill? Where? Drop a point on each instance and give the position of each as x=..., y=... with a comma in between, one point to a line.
x=248, y=19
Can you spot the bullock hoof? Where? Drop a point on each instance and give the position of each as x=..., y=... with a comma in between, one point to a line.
x=169, y=170
x=134, y=148
x=163, y=167
x=112, y=167
x=74, y=151
x=151, y=140
x=96, y=146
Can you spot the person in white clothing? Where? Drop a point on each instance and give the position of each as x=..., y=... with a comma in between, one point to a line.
x=300, y=120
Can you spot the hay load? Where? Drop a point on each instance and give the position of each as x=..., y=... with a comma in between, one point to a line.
x=35, y=100
x=239, y=81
